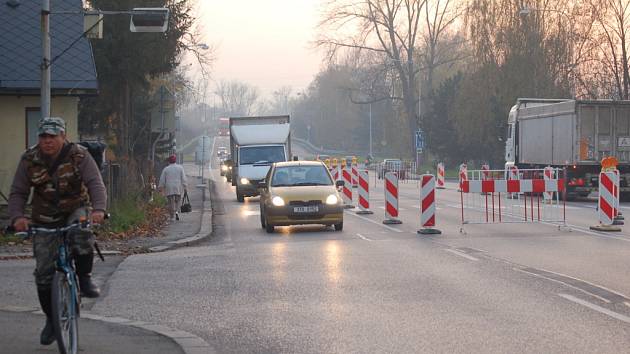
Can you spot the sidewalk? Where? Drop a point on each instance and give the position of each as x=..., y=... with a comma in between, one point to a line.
x=20, y=334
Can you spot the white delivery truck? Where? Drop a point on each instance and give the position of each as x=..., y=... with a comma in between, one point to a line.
x=573, y=135
x=256, y=143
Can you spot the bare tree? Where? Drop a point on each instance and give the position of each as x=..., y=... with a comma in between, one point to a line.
x=237, y=98
x=611, y=39
x=390, y=28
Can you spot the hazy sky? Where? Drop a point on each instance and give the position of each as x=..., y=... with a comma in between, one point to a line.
x=266, y=43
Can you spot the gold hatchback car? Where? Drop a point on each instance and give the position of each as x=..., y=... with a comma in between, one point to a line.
x=298, y=193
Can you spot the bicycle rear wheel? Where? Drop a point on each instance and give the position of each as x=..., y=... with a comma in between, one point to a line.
x=65, y=316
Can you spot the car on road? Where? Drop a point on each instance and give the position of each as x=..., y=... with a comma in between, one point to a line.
x=298, y=193
x=222, y=151
x=392, y=165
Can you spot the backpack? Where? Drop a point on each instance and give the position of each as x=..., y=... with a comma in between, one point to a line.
x=97, y=150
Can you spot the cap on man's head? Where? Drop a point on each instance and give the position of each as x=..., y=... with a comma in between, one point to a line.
x=51, y=126
x=172, y=159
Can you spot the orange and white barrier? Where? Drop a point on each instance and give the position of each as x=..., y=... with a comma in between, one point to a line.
x=549, y=175
x=487, y=201
x=463, y=174
x=364, y=193
x=440, y=176
x=607, y=201
x=347, y=193
x=427, y=205
x=355, y=175
x=391, y=199
x=485, y=172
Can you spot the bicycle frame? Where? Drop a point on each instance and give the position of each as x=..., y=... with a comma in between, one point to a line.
x=63, y=265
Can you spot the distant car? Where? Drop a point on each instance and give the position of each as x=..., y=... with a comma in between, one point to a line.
x=392, y=165
x=223, y=167
x=222, y=151
x=297, y=193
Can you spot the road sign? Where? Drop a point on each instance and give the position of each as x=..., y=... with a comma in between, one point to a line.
x=419, y=140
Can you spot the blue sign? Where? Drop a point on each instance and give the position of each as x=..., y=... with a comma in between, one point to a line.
x=419, y=140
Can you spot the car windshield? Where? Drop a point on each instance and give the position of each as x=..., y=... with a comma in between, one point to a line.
x=261, y=155
x=301, y=176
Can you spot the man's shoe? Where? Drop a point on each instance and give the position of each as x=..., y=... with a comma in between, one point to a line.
x=87, y=286
x=177, y=216
x=84, y=271
x=48, y=334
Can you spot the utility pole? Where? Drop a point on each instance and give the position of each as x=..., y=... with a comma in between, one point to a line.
x=45, y=66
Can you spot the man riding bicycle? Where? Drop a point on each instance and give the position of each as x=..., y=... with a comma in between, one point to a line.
x=67, y=185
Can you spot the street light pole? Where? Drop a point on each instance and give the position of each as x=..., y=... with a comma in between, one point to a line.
x=45, y=66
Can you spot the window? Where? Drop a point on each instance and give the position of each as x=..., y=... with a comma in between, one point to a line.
x=301, y=176
x=261, y=155
x=32, y=121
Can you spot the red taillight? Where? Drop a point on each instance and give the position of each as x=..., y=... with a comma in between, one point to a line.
x=576, y=182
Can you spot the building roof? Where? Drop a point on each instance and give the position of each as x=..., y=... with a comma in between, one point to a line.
x=73, y=73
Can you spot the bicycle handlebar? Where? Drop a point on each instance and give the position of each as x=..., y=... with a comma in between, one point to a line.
x=33, y=229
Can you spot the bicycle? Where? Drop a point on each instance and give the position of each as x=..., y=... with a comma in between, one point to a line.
x=66, y=299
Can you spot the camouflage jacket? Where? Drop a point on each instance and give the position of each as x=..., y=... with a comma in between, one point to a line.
x=56, y=195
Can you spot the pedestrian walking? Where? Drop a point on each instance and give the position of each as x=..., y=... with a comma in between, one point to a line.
x=173, y=185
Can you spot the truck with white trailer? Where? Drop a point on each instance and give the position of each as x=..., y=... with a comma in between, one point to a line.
x=574, y=135
x=255, y=144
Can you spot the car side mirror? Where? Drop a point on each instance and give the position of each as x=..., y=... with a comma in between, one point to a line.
x=340, y=183
x=262, y=184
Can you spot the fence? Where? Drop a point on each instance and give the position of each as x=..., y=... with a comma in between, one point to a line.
x=491, y=196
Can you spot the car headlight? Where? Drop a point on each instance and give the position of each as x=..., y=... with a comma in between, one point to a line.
x=230, y=167
x=224, y=168
x=332, y=200
x=277, y=201
x=244, y=180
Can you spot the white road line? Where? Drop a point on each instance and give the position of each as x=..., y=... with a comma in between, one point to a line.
x=373, y=222
x=461, y=254
x=364, y=238
x=597, y=308
x=586, y=231
x=563, y=283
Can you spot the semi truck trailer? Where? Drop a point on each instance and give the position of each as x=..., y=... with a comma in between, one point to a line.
x=255, y=144
x=574, y=135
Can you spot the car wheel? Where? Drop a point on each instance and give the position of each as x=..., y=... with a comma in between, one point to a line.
x=339, y=227
x=269, y=228
x=239, y=196
x=263, y=224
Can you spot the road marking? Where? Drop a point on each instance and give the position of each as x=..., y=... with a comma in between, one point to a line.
x=597, y=308
x=563, y=283
x=373, y=222
x=399, y=209
x=364, y=238
x=461, y=254
x=586, y=231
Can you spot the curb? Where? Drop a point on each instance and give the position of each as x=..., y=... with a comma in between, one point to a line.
x=29, y=255
x=188, y=342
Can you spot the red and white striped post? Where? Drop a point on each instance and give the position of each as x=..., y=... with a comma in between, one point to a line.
x=548, y=175
x=463, y=175
x=347, y=193
x=440, y=176
x=607, y=202
x=391, y=199
x=427, y=205
x=364, y=193
x=355, y=174
x=485, y=172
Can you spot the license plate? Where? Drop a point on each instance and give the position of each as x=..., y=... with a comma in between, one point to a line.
x=306, y=209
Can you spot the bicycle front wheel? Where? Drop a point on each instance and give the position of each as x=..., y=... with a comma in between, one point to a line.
x=65, y=317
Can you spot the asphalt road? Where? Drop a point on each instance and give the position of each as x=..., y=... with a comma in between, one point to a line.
x=372, y=288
